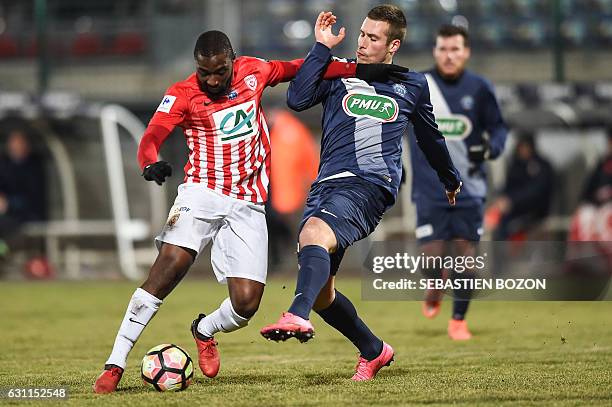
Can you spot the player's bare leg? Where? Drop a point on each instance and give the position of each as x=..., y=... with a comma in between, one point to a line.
x=457, y=326
x=233, y=313
x=316, y=241
x=170, y=267
x=433, y=298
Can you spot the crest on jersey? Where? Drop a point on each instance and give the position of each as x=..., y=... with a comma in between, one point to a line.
x=467, y=102
x=236, y=122
x=454, y=126
x=378, y=107
x=400, y=89
x=251, y=82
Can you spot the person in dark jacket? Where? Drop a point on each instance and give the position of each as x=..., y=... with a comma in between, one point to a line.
x=598, y=189
x=528, y=192
x=22, y=186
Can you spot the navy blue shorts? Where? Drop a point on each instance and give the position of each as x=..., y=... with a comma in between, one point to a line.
x=352, y=207
x=447, y=223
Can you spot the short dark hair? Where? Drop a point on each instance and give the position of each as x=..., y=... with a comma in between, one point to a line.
x=525, y=136
x=213, y=43
x=394, y=16
x=450, y=30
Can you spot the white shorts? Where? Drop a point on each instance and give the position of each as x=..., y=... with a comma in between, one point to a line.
x=237, y=229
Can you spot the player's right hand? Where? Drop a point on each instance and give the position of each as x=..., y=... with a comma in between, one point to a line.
x=323, y=30
x=451, y=195
x=157, y=172
x=380, y=72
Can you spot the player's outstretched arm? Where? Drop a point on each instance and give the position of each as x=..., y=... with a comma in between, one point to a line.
x=170, y=113
x=432, y=143
x=284, y=71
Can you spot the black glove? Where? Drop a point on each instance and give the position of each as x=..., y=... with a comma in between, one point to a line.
x=477, y=154
x=157, y=172
x=380, y=72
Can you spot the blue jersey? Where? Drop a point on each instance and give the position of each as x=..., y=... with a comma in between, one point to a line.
x=465, y=109
x=363, y=124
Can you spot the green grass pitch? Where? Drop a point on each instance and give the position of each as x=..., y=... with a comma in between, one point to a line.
x=523, y=353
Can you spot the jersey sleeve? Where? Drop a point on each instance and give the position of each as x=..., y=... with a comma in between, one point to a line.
x=172, y=109
x=284, y=71
x=431, y=141
x=308, y=87
x=494, y=123
x=170, y=113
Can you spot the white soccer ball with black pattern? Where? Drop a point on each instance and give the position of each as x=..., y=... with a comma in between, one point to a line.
x=167, y=367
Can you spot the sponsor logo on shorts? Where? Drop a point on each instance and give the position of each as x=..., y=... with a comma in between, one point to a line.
x=378, y=107
x=236, y=122
x=454, y=126
x=424, y=231
x=172, y=220
x=328, y=212
x=175, y=214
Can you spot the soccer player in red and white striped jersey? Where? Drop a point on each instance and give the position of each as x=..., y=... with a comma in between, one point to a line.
x=219, y=109
x=224, y=189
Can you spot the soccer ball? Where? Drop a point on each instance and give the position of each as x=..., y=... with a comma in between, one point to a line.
x=167, y=367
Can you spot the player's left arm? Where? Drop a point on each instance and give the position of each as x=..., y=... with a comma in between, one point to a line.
x=169, y=114
x=494, y=123
x=431, y=141
x=285, y=71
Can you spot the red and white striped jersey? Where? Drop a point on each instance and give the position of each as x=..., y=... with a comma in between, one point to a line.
x=228, y=138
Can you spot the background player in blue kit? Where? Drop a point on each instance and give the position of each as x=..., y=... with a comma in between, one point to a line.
x=359, y=174
x=465, y=109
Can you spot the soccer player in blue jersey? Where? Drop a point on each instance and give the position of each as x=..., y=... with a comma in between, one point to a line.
x=465, y=108
x=359, y=175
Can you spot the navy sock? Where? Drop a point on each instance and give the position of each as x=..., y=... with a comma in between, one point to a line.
x=342, y=315
x=312, y=276
x=460, y=308
x=461, y=300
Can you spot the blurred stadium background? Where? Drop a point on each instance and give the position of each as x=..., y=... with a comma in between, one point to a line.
x=84, y=77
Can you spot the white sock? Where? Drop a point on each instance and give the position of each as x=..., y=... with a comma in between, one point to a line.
x=140, y=310
x=224, y=319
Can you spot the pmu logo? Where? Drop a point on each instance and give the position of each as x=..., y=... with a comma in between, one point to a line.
x=455, y=126
x=377, y=107
x=236, y=122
